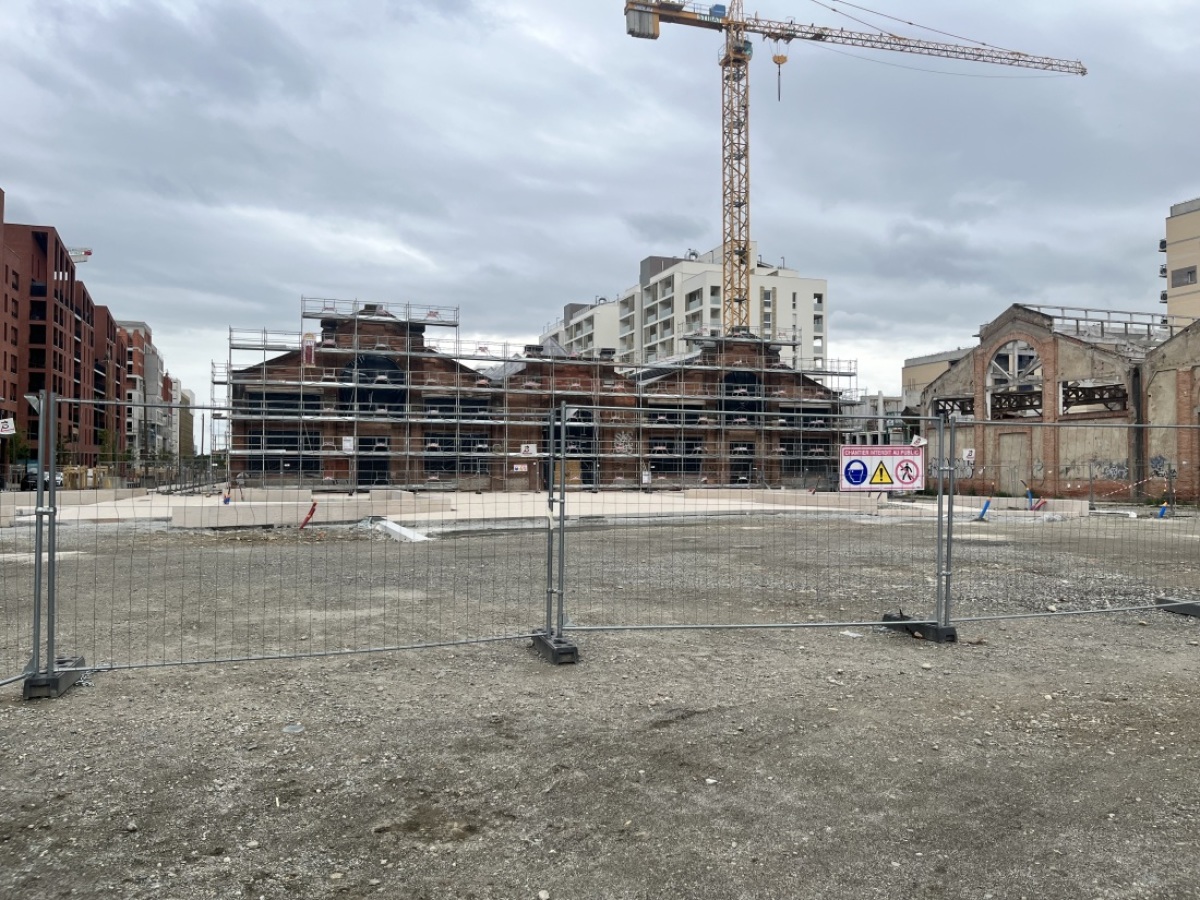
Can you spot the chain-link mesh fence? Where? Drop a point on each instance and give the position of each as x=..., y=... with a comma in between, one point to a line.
x=1079, y=518
x=629, y=516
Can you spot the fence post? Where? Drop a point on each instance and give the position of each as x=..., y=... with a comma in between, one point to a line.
x=58, y=675
x=939, y=630
x=50, y=413
x=939, y=610
x=35, y=662
x=552, y=462
x=946, y=631
x=550, y=642
x=562, y=522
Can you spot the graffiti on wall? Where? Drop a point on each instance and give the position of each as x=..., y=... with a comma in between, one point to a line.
x=1110, y=469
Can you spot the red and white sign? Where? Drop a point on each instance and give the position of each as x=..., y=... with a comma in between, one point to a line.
x=884, y=468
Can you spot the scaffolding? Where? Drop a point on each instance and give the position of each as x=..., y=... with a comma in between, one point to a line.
x=378, y=394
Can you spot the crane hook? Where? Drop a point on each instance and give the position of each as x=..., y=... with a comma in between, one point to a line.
x=779, y=58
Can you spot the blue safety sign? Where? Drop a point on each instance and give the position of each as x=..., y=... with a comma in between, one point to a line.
x=856, y=472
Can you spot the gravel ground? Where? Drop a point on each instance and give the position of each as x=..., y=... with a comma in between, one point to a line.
x=1036, y=758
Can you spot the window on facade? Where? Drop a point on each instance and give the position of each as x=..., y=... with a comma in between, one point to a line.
x=1183, y=277
x=1014, y=381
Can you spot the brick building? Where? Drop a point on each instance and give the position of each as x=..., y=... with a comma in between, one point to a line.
x=53, y=336
x=55, y=321
x=108, y=386
x=1124, y=381
x=376, y=398
x=10, y=322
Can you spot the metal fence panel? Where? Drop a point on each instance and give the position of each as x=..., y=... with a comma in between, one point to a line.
x=16, y=594
x=694, y=525
x=1079, y=518
x=179, y=566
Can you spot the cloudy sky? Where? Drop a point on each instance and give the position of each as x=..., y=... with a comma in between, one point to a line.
x=225, y=157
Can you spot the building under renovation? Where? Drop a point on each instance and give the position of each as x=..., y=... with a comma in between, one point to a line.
x=388, y=394
x=1132, y=375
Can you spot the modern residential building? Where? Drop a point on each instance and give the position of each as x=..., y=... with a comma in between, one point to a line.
x=109, y=413
x=876, y=419
x=182, y=443
x=185, y=427
x=386, y=394
x=10, y=328
x=56, y=343
x=678, y=298
x=147, y=426
x=1182, y=249
x=586, y=330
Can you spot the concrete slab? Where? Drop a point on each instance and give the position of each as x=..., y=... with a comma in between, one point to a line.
x=287, y=508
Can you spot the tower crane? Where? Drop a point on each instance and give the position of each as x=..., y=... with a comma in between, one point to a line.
x=642, y=20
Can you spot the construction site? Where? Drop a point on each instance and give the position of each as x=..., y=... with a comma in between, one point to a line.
x=380, y=394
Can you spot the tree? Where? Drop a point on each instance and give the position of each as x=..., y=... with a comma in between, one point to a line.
x=17, y=449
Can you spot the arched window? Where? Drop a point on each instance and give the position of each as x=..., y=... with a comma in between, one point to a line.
x=1014, y=381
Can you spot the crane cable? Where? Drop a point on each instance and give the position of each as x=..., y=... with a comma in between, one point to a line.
x=883, y=62
x=949, y=34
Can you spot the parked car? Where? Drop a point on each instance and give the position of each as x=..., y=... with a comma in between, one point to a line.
x=29, y=480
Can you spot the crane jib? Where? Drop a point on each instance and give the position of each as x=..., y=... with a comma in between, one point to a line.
x=643, y=20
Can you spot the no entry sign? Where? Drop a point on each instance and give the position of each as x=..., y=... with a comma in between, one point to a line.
x=888, y=468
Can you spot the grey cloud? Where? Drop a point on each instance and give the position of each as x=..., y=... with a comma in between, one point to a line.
x=665, y=230
x=147, y=53
x=413, y=11
x=534, y=153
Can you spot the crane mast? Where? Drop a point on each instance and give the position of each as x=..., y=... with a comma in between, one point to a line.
x=643, y=19
x=735, y=157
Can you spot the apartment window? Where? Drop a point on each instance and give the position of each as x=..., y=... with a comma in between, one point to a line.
x=15, y=284
x=1183, y=277
x=818, y=301
x=793, y=299
x=818, y=323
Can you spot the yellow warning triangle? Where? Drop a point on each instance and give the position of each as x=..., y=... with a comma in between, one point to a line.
x=881, y=475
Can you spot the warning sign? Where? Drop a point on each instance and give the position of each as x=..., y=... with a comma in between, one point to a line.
x=882, y=468
x=881, y=478
x=907, y=473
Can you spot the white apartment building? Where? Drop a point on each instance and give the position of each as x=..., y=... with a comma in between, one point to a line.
x=148, y=423
x=677, y=297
